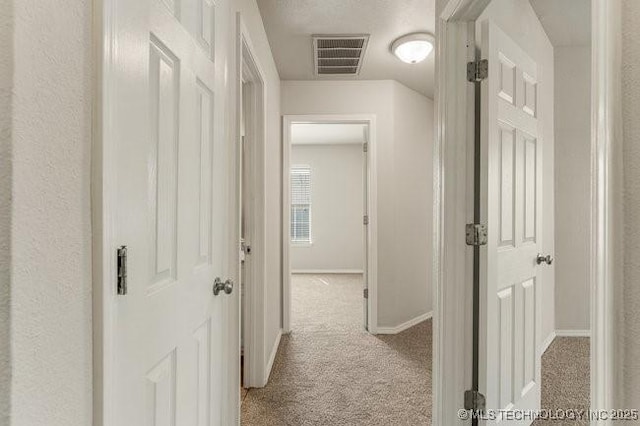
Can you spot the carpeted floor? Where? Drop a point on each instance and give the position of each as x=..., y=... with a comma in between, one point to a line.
x=330, y=371
x=565, y=378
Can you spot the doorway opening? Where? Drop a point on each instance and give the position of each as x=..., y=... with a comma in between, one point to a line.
x=251, y=199
x=328, y=219
x=522, y=121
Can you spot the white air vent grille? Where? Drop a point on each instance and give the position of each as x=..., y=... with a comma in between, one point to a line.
x=339, y=55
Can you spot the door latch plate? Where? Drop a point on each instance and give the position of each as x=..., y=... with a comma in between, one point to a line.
x=122, y=288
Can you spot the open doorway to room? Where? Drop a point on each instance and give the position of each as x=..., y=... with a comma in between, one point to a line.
x=524, y=138
x=249, y=158
x=329, y=284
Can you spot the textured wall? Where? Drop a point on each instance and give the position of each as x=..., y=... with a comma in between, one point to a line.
x=572, y=186
x=6, y=81
x=631, y=167
x=51, y=229
x=337, y=206
x=412, y=292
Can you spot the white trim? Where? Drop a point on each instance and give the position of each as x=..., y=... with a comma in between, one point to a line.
x=606, y=197
x=272, y=357
x=405, y=325
x=327, y=271
x=372, y=200
x=249, y=69
x=547, y=342
x=452, y=322
x=573, y=333
x=452, y=200
x=103, y=212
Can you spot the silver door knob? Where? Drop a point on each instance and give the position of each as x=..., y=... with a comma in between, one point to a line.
x=219, y=286
x=540, y=259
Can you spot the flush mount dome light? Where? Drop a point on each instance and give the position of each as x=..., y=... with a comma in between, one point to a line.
x=413, y=48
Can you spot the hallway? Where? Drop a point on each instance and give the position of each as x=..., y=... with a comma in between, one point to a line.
x=330, y=371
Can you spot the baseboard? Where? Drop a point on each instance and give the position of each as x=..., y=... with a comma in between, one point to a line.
x=327, y=271
x=573, y=333
x=562, y=333
x=547, y=342
x=402, y=327
x=272, y=357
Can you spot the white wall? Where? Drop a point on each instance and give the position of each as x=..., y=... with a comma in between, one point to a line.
x=629, y=331
x=572, y=185
x=518, y=19
x=273, y=171
x=337, y=205
x=6, y=83
x=404, y=139
x=51, y=323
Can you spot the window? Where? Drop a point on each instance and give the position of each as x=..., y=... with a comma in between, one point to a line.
x=301, y=204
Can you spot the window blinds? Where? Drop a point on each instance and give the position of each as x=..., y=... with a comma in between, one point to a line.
x=301, y=204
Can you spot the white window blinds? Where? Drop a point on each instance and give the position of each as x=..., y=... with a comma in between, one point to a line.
x=301, y=204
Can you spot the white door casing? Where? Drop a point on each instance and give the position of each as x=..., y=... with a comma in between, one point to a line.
x=511, y=185
x=370, y=309
x=171, y=212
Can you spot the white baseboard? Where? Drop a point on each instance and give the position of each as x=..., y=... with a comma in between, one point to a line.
x=573, y=333
x=327, y=271
x=402, y=327
x=562, y=333
x=547, y=342
x=272, y=357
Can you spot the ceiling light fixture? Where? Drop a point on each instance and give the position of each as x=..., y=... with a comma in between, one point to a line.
x=413, y=48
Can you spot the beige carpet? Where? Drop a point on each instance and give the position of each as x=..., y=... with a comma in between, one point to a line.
x=565, y=378
x=329, y=371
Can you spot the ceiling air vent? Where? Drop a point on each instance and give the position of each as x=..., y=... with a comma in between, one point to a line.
x=339, y=54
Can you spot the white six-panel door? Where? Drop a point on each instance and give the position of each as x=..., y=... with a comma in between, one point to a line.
x=172, y=214
x=511, y=171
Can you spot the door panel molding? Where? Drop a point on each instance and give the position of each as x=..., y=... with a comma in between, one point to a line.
x=175, y=90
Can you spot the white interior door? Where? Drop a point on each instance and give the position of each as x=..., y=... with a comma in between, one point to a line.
x=172, y=215
x=509, y=361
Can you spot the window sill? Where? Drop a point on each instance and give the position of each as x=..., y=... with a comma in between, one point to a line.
x=302, y=244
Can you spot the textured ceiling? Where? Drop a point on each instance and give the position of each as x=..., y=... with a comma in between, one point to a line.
x=290, y=24
x=566, y=22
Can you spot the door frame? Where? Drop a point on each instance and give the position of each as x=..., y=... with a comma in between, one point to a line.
x=253, y=318
x=103, y=211
x=453, y=203
x=371, y=237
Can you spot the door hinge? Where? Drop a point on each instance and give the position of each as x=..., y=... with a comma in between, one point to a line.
x=122, y=270
x=477, y=70
x=365, y=219
x=366, y=293
x=365, y=147
x=476, y=234
x=474, y=400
